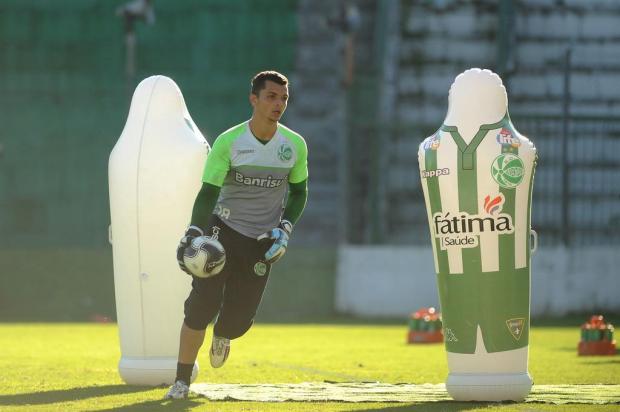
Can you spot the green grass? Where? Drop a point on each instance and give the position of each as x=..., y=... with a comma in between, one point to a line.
x=65, y=367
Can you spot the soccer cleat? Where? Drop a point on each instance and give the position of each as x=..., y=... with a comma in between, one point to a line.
x=220, y=348
x=179, y=390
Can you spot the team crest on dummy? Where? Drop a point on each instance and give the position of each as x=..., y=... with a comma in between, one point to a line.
x=432, y=143
x=507, y=170
x=515, y=326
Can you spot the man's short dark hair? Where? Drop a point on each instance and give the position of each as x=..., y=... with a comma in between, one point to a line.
x=258, y=82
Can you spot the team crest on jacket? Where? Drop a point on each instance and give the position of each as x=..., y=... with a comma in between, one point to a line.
x=285, y=153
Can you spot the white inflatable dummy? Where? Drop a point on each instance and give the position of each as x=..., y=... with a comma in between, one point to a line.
x=154, y=176
x=477, y=173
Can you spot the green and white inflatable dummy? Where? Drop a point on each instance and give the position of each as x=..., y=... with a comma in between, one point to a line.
x=477, y=173
x=154, y=175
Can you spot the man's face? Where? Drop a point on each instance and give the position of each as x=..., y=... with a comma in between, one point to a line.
x=271, y=101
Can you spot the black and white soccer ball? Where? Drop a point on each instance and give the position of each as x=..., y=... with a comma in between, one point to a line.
x=204, y=257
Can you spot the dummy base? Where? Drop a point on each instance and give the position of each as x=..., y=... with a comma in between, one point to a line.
x=489, y=387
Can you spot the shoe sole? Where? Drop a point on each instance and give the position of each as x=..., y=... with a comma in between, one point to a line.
x=223, y=362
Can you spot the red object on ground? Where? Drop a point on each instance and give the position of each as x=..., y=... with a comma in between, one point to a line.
x=602, y=347
x=425, y=326
x=424, y=337
x=597, y=338
x=99, y=318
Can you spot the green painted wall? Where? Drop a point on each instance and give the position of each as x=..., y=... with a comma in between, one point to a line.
x=64, y=98
x=76, y=284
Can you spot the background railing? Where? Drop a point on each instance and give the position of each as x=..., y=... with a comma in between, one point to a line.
x=576, y=197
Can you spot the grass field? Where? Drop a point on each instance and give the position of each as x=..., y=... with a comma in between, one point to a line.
x=66, y=367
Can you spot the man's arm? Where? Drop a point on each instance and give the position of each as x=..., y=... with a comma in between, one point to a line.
x=203, y=208
x=215, y=171
x=298, y=194
x=204, y=205
x=296, y=202
x=297, y=183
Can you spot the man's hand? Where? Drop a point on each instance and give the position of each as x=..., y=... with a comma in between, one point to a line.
x=191, y=233
x=279, y=236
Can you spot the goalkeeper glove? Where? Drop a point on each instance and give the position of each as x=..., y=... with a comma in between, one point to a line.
x=191, y=233
x=279, y=236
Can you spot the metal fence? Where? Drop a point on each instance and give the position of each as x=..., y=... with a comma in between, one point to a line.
x=576, y=198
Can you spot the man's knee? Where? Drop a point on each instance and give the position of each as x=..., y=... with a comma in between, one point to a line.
x=234, y=326
x=199, y=312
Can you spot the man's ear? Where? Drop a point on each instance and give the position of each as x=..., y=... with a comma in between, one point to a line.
x=253, y=99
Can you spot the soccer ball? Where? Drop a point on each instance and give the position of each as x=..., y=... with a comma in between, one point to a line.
x=204, y=257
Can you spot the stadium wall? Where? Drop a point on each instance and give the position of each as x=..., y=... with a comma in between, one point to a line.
x=389, y=281
x=526, y=42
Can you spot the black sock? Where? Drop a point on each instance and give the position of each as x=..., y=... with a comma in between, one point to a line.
x=184, y=372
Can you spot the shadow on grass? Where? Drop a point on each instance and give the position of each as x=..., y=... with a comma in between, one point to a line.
x=574, y=320
x=187, y=404
x=159, y=404
x=332, y=320
x=575, y=350
x=602, y=360
x=433, y=407
x=567, y=349
x=66, y=395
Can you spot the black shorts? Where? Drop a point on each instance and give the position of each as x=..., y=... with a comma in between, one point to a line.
x=235, y=293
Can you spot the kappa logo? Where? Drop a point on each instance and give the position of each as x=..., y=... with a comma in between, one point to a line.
x=505, y=138
x=449, y=335
x=285, y=153
x=507, y=170
x=432, y=143
x=516, y=326
x=434, y=173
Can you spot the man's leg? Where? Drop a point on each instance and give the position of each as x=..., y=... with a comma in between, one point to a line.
x=190, y=342
x=201, y=307
x=242, y=296
x=241, y=300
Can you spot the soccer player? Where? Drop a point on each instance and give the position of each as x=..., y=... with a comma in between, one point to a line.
x=241, y=202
